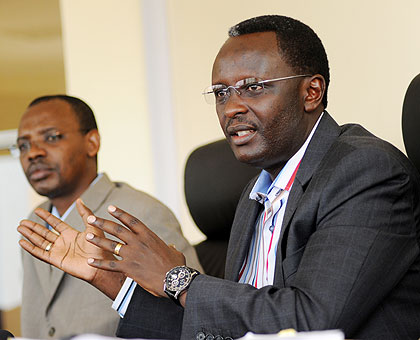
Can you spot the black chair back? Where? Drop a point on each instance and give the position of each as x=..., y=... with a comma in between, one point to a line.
x=411, y=121
x=214, y=180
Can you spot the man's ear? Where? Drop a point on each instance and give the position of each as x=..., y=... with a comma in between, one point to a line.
x=93, y=141
x=314, y=92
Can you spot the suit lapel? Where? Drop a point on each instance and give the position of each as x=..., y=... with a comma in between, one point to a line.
x=93, y=197
x=325, y=135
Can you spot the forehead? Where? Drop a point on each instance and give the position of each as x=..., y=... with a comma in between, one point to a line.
x=249, y=55
x=50, y=114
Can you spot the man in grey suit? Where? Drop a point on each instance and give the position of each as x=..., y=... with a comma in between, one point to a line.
x=326, y=237
x=58, y=143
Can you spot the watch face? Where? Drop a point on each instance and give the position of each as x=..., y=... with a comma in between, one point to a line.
x=178, y=278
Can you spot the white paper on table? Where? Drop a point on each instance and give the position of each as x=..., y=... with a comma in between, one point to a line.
x=334, y=334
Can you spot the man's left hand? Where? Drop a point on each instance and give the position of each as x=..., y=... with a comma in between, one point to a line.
x=144, y=256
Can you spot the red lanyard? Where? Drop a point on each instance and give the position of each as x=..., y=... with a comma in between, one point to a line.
x=292, y=179
x=287, y=188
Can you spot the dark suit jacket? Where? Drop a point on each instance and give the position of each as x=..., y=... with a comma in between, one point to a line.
x=348, y=256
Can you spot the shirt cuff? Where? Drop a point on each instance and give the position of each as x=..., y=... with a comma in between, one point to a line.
x=123, y=298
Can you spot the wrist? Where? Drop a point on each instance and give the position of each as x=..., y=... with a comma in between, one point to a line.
x=177, y=281
x=108, y=282
x=183, y=298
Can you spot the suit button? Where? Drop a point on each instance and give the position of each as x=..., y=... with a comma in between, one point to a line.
x=210, y=336
x=51, y=332
x=200, y=336
x=228, y=338
x=218, y=337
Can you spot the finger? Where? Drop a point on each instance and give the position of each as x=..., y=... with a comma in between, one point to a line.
x=53, y=221
x=34, y=250
x=112, y=265
x=55, y=232
x=110, y=227
x=83, y=210
x=130, y=221
x=105, y=244
x=40, y=230
x=34, y=239
x=147, y=236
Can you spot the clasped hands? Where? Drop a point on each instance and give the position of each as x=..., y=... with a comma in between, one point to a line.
x=89, y=255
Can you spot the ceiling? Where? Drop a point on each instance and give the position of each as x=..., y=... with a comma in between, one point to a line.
x=31, y=56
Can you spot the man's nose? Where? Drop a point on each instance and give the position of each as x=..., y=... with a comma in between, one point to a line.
x=36, y=150
x=234, y=104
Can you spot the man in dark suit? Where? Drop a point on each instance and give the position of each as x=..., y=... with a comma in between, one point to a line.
x=326, y=237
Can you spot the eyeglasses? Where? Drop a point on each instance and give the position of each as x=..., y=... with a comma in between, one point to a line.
x=50, y=138
x=247, y=88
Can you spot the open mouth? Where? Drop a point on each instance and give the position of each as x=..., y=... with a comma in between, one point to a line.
x=242, y=136
x=244, y=133
x=240, y=132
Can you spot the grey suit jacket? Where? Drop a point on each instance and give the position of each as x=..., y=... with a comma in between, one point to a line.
x=55, y=304
x=348, y=254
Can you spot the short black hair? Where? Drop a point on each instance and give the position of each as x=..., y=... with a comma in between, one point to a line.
x=298, y=44
x=82, y=110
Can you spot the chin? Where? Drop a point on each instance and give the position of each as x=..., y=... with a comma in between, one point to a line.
x=43, y=192
x=248, y=153
x=47, y=191
x=254, y=160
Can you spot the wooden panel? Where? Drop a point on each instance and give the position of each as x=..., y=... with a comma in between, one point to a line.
x=32, y=64
x=11, y=321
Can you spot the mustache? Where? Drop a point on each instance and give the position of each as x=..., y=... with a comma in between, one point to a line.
x=38, y=165
x=240, y=120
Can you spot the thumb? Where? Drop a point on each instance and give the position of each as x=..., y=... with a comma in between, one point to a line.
x=83, y=210
x=84, y=213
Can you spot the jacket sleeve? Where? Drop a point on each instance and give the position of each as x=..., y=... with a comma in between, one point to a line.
x=150, y=317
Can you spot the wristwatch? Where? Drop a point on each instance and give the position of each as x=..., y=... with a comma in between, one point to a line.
x=177, y=280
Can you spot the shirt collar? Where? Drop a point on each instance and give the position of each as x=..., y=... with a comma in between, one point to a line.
x=265, y=188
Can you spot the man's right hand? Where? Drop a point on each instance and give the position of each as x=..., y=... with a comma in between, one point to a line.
x=69, y=250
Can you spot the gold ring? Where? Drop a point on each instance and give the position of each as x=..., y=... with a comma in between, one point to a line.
x=55, y=231
x=117, y=248
x=48, y=247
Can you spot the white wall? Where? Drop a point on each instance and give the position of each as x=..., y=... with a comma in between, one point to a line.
x=119, y=63
x=104, y=64
x=14, y=206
